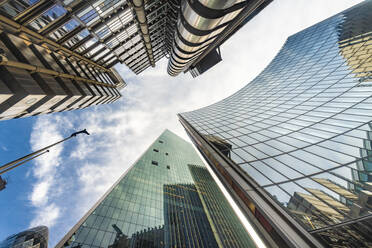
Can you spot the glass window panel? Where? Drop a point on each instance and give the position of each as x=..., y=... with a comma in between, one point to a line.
x=284, y=169
x=297, y=164
x=293, y=141
x=256, y=175
x=305, y=137
x=268, y=172
x=244, y=155
x=278, y=194
x=315, y=157
x=255, y=152
x=269, y=150
x=333, y=155
x=347, y=149
x=47, y=17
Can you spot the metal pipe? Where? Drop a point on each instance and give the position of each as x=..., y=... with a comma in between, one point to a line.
x=247, y=11
x=199, y=24
x=139, y=8
x=33, y=68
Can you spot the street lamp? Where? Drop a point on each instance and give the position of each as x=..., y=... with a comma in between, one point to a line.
x=13, y=164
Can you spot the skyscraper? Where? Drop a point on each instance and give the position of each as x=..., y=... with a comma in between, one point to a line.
x=294, y=145
x=36, y=237
x=166, y=199
x=40, y=72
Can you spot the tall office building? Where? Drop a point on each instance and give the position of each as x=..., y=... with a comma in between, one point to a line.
x=294, y=145
x=166, y=199
x=36, y=237
x=41, y=70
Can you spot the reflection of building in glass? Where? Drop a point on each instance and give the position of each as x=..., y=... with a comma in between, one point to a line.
x=321, y=209
x=300, y=157
x=215, y=206
x=185, y=226
x=32, y=238
x=167, y=199
x=150, y=237
x=220, y=144
x=354, y=32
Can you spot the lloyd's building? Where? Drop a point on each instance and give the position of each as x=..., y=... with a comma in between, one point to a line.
x=294, y=146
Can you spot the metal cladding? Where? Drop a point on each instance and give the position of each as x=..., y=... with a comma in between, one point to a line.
x=138, y=6
x=198, y=26
x=50, y=62
x=137, y=33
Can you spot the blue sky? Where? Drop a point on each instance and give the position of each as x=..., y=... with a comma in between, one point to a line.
x=57, y=189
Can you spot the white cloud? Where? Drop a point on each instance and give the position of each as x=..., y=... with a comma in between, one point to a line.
x=68, y=186
x=45, y=132
x=39, y=195
x=47, y=216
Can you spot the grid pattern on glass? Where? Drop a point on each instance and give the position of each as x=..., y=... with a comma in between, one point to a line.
x=302, y=129
x=163, y=201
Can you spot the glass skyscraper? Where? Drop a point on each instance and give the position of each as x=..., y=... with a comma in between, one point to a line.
x=36, y=237
x=166, y=199
x=294, y=146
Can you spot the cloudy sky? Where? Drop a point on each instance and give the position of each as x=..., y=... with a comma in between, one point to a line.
x=57, y=189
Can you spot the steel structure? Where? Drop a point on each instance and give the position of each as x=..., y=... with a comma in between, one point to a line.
x=137, y=33
x=105, y=32
x=43, y=67
x=203, y=26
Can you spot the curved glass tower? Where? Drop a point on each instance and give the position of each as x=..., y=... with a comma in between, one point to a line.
x=294, y=146
x=36, y=237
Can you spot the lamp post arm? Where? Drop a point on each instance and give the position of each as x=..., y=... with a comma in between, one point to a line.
x=30, y=155
x=24, y=161
x=41, y=150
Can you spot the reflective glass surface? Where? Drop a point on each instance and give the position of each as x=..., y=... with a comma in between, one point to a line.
x=36, y=237
x=167, y=199
x=302, y=129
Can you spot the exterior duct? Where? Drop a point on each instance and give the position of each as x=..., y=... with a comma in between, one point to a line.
x=199, y=24
x=139, y=8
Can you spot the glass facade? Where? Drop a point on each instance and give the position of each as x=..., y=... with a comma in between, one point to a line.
x=166, y=199
x=104, y=31
x=33, y=238
x=302, y=129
